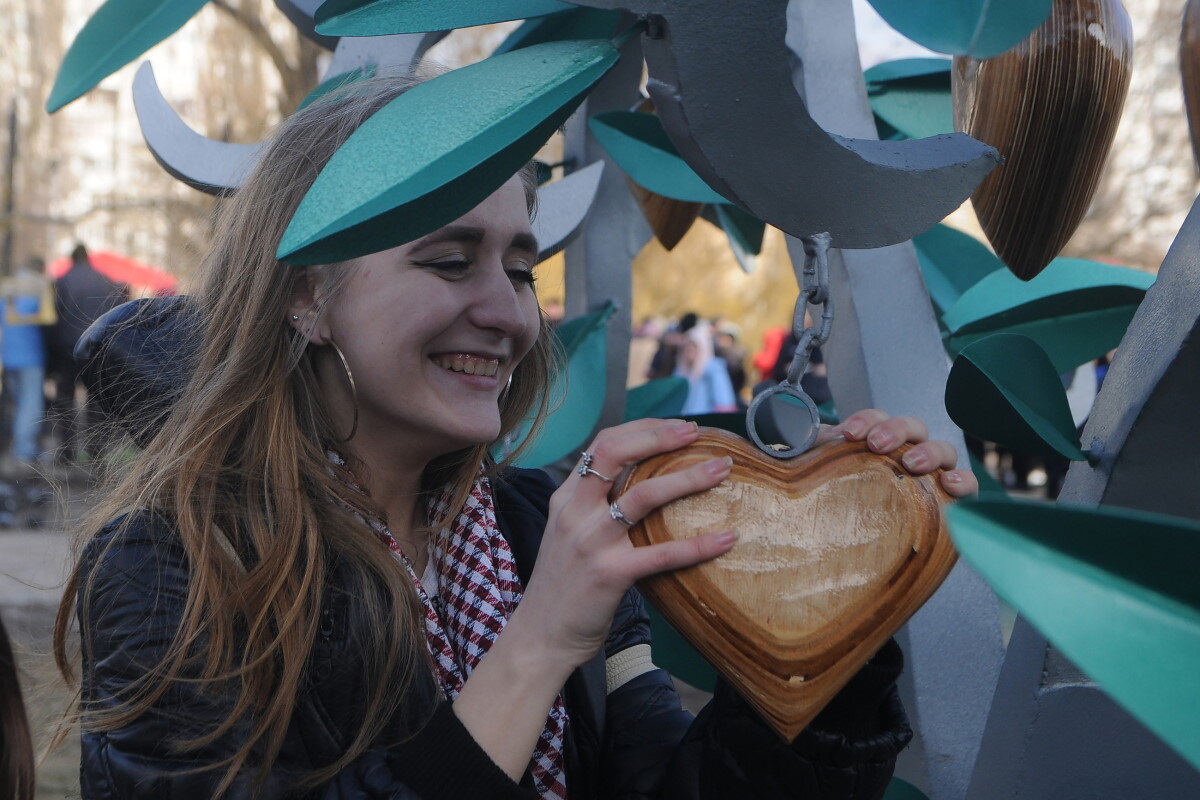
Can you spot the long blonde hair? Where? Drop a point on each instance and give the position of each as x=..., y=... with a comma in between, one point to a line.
x=241, y=460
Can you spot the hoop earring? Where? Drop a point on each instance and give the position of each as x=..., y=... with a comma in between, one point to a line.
x=353, y=388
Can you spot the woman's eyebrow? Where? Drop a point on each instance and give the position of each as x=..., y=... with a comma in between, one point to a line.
x=452, y=233
x=524, y=241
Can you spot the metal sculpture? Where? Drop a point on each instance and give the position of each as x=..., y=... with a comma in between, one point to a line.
x=872, y=193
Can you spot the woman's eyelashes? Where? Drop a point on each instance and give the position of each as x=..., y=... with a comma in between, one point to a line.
x=459, y=267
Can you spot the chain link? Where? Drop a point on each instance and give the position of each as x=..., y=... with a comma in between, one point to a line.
x=814, y=291
x=789, y=437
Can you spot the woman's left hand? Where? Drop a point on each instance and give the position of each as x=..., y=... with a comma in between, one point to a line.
x=884, y=434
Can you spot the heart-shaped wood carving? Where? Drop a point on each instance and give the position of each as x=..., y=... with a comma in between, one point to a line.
x=838, y=548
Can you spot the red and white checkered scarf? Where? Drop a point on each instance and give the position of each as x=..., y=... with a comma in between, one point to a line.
x=479, y=586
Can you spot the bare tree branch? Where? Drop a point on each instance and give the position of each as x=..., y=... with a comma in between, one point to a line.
x=258, y=31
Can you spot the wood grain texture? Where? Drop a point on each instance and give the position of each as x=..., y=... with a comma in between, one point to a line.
x=1189, y=67
x=1051, y=106
x=838, y=548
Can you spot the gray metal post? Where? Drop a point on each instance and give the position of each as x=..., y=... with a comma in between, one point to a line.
x=1052, y=732
x=886, y=352
x=599, y=263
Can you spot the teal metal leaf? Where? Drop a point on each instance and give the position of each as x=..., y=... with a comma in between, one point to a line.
x=1004, y=389
x=640, y=146
x=578, y=23
x=911, y=97
x=676, y=655
x=661, y=399
x=367, y=71
x=745, y=232
x=1077, y=310
x=989, y=487
x=383, y=17
x=438, y=150
x=119, y=32
x=978, y=28
x=577, y=394
x=903, y=790
x=951, y=263
x=1114, y=590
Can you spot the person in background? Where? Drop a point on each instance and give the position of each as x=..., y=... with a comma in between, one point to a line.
x=555, y=311
x=764, y=359
x=709, y=388
x=733, y=354
x=642, y=347
x=82, y=295
x=28, y=304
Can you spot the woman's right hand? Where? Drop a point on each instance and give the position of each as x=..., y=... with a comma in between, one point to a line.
x=587, y=562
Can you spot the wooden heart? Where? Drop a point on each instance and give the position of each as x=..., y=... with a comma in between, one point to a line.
x=1051, y=106
x=838, y=548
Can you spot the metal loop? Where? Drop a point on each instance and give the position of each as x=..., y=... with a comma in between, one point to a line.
x=813, y=278
x=782, y=447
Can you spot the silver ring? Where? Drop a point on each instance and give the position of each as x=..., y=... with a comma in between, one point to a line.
x=585, y=468
x=614, y=511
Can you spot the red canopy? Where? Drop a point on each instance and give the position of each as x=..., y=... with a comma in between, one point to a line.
x=121, y=269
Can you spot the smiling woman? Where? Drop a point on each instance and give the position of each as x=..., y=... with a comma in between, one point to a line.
x=316, y=580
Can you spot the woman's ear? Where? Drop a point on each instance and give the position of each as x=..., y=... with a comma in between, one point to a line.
x=303, y=310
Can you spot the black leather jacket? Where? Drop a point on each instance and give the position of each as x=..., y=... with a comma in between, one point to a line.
x=636, y=742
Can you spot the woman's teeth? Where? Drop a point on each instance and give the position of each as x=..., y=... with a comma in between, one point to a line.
x=471, y=365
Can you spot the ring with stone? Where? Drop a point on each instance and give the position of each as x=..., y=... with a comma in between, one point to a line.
x=614, y=511
x=585, y=468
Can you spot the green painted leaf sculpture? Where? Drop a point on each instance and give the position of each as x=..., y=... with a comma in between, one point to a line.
x=978, y=28
x=1114, y=590
x=119, y=32
x=1076, y=310
x=1004, y=389
x=989, y=487
x=640, y=146
x=903, y=790
x=745, y=232
x=660, y=399
x=911, y=97
x=951, y=263
x=439, y=149
x=577, y=395
x=676, y=655
x=383, y=17
x=578, y=23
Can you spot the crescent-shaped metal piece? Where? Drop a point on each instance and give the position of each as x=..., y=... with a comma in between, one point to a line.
x=755, y=142
x=202, y=163
x=563, y=205
x=300, y=13
x=218, y=167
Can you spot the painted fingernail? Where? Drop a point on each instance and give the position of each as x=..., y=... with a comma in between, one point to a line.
x=881, y=439
x=727, y=538
x=954, y=477
x=719, y=466
x=915, y=460
x=685, y=428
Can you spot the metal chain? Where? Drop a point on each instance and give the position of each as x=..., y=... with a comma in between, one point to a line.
x=813, y=278
x=814, y=291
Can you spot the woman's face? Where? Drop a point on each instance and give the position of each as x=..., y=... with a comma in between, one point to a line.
x=434, y=328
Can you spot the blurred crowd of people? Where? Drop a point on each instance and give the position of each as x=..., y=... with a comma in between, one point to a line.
x=43, y=407
x=722, y=374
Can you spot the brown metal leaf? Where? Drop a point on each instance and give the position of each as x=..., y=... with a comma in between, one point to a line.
x=669, y=219
x=1189, y=66
x=1051, y=107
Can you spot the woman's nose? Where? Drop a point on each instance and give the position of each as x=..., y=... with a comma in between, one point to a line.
x=497, y=304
